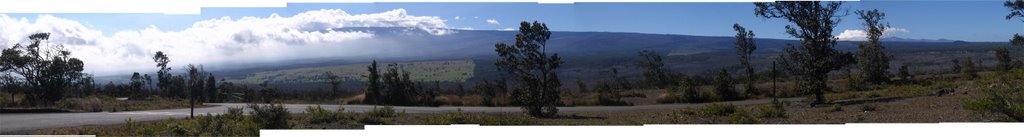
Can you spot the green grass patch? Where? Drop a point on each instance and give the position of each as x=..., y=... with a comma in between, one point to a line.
x=445, y=71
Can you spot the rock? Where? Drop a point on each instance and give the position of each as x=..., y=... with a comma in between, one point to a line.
x=943, y=91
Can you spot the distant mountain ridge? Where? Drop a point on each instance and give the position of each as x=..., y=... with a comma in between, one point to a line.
x=588, y=55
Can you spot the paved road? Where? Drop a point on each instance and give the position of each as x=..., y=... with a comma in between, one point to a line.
x=22, y=122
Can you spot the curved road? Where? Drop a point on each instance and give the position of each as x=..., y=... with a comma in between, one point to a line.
x=23, y=122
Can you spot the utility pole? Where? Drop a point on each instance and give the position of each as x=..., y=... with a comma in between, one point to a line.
x=192, y=102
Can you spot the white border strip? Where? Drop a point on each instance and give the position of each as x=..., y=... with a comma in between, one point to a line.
x=819, y=130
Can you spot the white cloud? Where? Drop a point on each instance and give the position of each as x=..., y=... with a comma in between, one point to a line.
x=458, y=18
x=310, y=34
x=466, y=28
x=508, y=29
x=493, y=22
x=861, y=35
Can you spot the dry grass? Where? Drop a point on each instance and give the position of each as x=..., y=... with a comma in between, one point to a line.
x=926, y=109
x=357, y=99
x=455, y=100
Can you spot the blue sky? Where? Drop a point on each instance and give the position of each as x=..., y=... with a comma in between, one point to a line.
x=979, y=20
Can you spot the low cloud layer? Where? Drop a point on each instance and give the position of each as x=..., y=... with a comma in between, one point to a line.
x=861, y=35
x=309, y=34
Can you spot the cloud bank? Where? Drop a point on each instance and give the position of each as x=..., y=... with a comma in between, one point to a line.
x=861, y=35
x=310, y=34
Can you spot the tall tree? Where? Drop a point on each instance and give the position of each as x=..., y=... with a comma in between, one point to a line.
x=335, y=82
x=148, y=81
x=373, y=86
x=872, y=60
x=212, y=92
x=48, y=70
x=655, y=73
x=136, y=83
x=816, y=55
x=163, y=75
x=399, y=89
x=529, y=61
x=744, y=48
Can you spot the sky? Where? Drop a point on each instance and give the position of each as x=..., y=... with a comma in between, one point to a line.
x=218, y=34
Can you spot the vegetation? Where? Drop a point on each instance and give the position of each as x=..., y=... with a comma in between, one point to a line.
x=374, y=88
x=775, y=110
x=608, y=96
x=232, y=123
x=1016, y=10
x=970, y=70
x=686, y=92
x=459, y=117
x=1005, y=62
x=335, y=82
x=270, y=116
x=724, y=89
x=744, y=47
x=654, y=71
x=871, y=57
x=717, y=109
x=528, y=61
x=46, y=70
x=904, y=73
x=1003, y=97
x=816, y=56
x=835, y=108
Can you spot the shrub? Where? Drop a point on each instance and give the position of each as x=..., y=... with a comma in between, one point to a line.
x=458, y=117
x=386, y=111
x=724, y=89
x=89, y=104
x=270, y=116
x=686, y=92
x=5, y=99
x=379, y=116
x=176, y=129
x=742, y=117
x=606, y=96
x=717, y=109
x=868, y=107
x=232, y=123
x=317, y=115
x=234, y=113
x=1009, y=103
x=835, y=108
x=771, y=111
